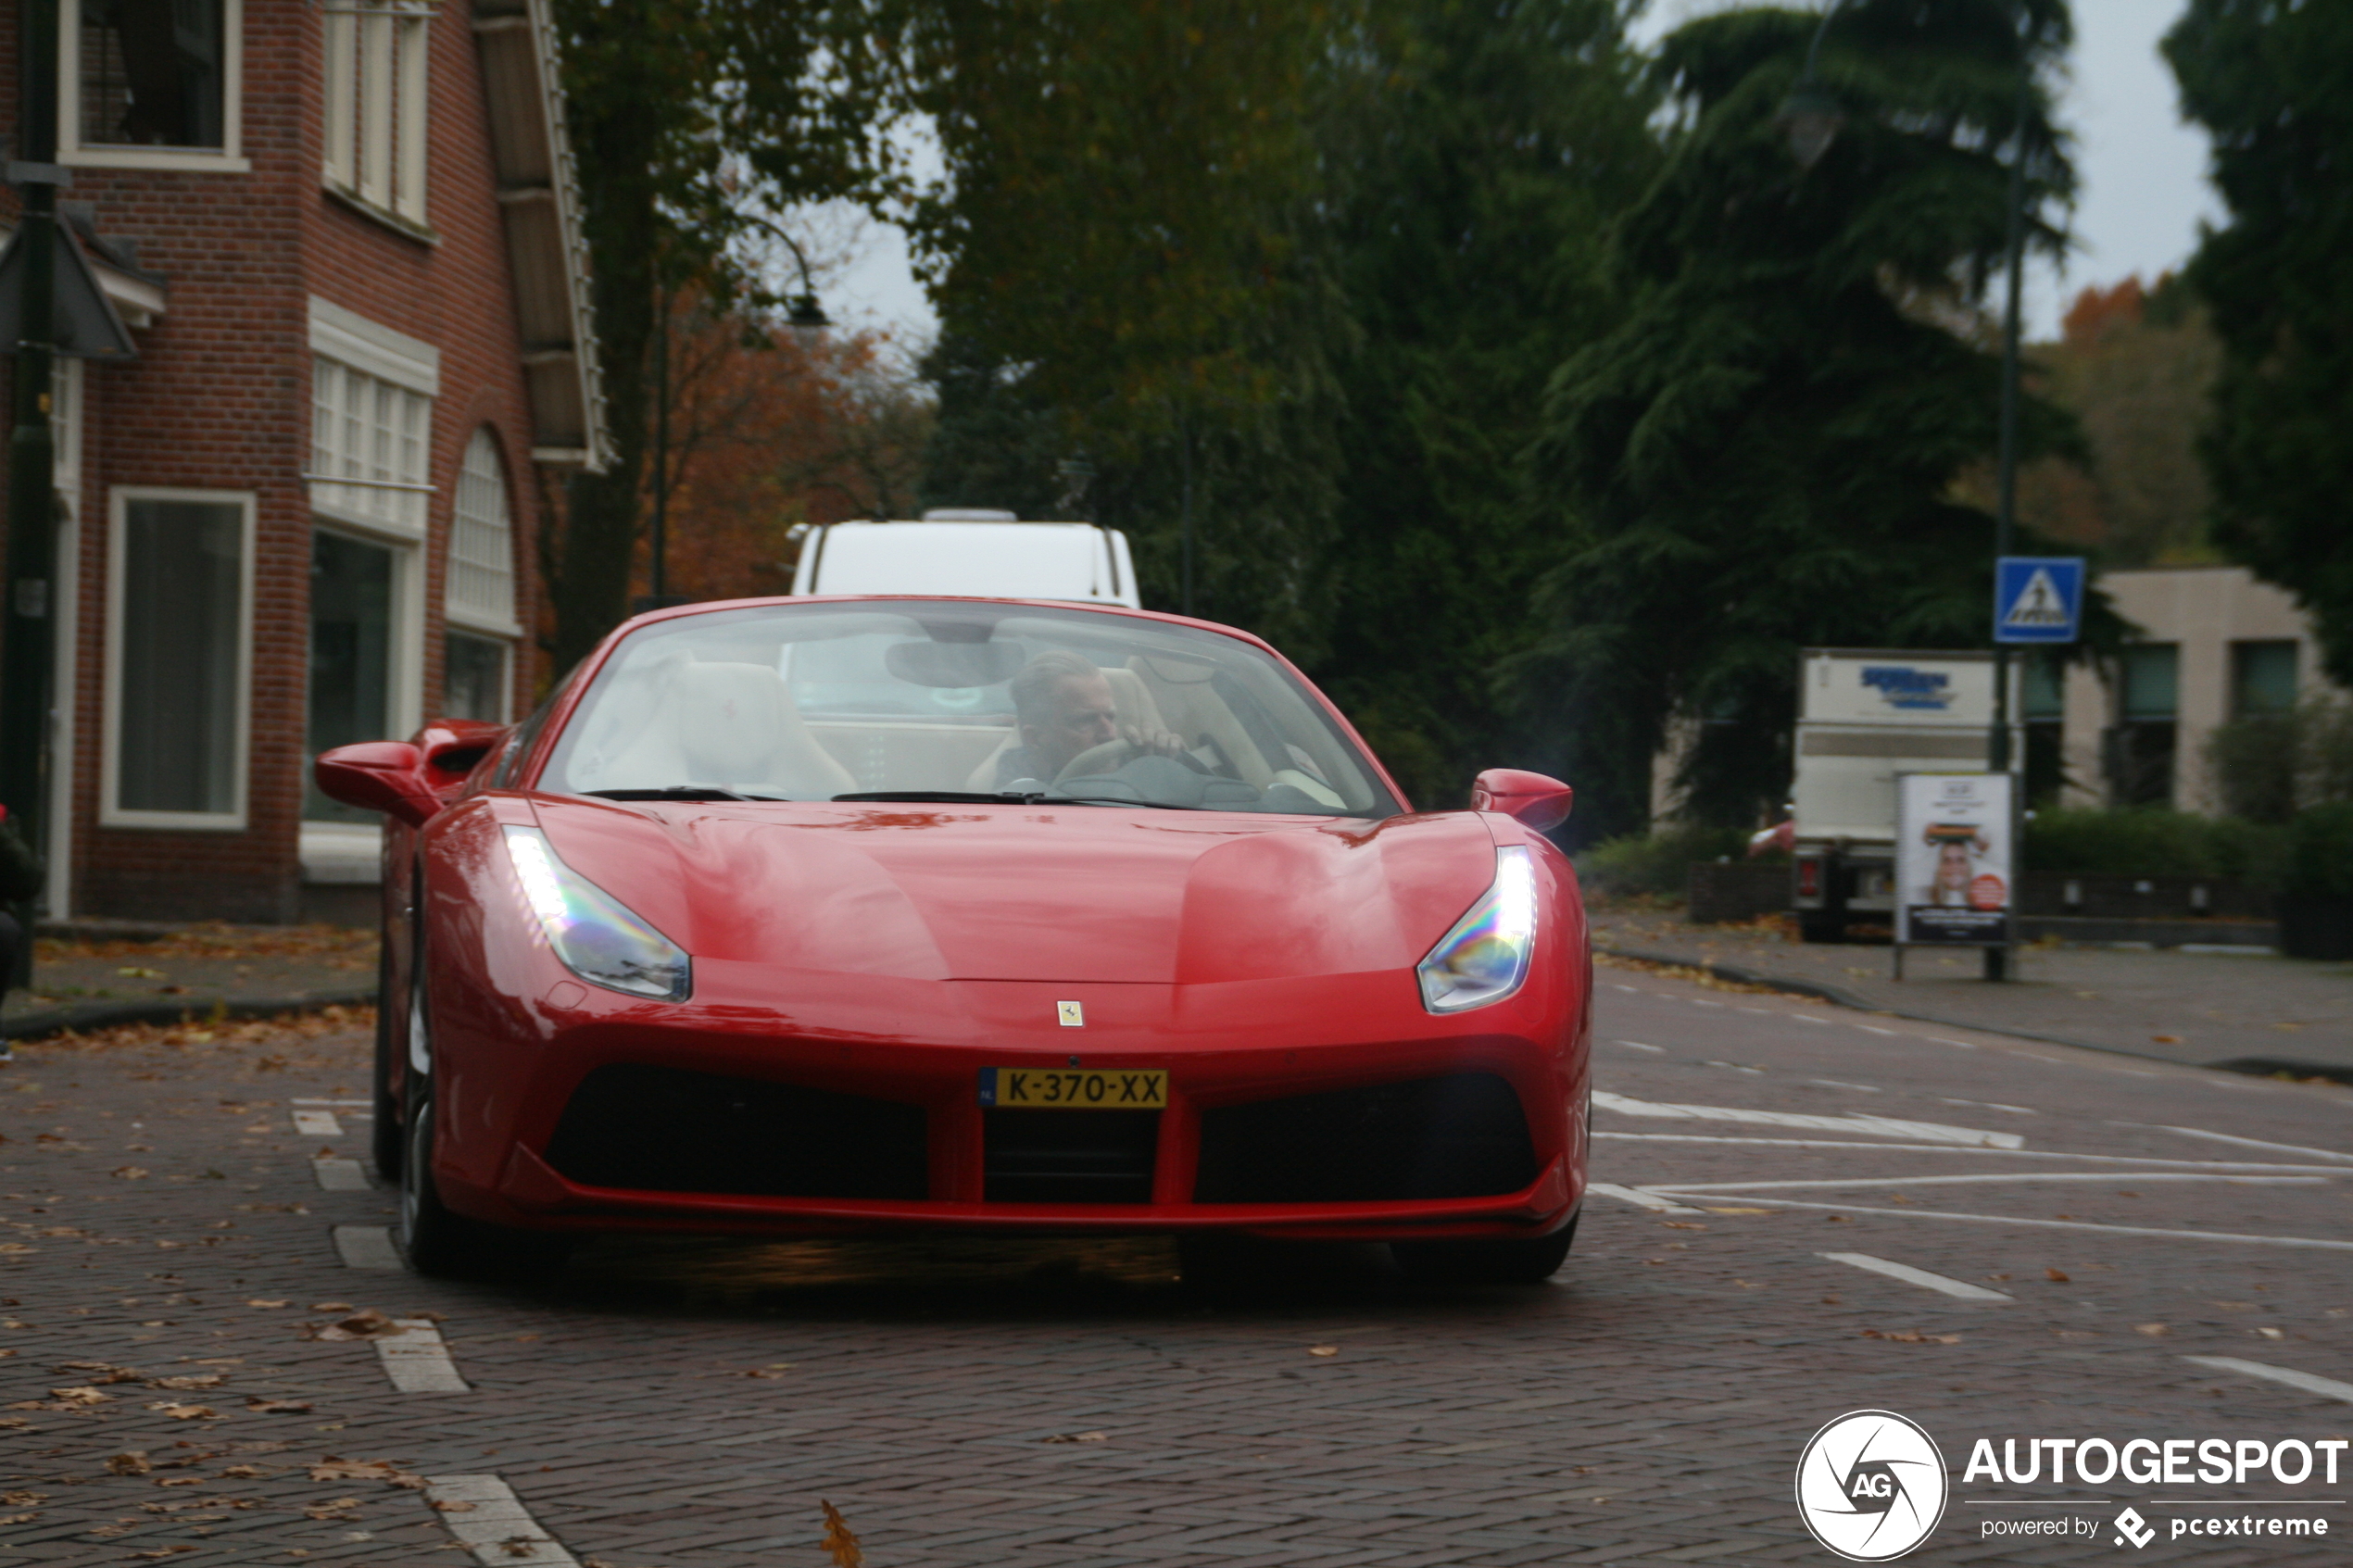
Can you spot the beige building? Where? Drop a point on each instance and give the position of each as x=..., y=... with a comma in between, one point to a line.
x=2216, y=645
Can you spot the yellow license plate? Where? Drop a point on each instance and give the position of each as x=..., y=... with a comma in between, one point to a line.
x=1060, y=1088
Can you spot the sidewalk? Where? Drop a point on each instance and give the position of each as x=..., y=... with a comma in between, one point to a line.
x=96, y=976
x=2198, y=1008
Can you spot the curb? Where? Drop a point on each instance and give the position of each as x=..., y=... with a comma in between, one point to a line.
x=2260, y=1067
x=108, y=1015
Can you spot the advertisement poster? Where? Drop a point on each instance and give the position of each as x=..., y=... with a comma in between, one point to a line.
x=1953, y=859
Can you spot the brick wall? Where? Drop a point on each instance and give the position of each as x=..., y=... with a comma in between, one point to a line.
x=220, y=399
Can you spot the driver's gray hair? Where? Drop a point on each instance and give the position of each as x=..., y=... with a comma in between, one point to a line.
x=1032, y=688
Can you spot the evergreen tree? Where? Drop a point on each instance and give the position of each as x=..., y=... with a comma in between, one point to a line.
x=2273, y=82
x=1763, y=452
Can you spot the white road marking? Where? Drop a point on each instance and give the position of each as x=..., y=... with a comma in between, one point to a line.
x=2327, y=1387
x=340, y=1176
x=365, y=1247
x=1874, y=1029
x=2244, y=1143
x=494, y=1525
x=1616, y=986
x=1637, y=1044
x=1884, y=1126
x=1737, y=1068
x=1809, y=1018
x=1939, y=1039
x=1990, y=1105
x=2323, y=1245
x=417, y=1361
x=317, y=1125
x=358, y=1102
x=1920, y=1277
x=1641, y=1200
x=1701, y=1002
x=1842, y=1083
x=1756, y=1009
x=1956, y=1148
x=1994, y=1176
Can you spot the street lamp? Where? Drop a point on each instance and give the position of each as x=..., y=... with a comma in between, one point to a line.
x=1810, y=117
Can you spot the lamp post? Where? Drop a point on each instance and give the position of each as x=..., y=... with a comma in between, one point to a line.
x=1997, y=749
x=28, y=636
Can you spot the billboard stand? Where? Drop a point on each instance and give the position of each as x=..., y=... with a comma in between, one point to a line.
x=1955, y=836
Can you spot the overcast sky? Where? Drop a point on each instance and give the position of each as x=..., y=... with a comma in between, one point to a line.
x=2143, y=176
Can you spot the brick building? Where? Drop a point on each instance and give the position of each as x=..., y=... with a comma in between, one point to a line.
x=343, y=234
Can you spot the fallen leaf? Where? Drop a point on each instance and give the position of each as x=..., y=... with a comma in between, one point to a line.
x=180, y=1481
x=450, y=1505
x=2154, y=1330
x=2055, y=1276
x=371, y=1325
x=277, y=1406
x=132, y=1173
x=520, y=1546
x=839, y=1544
x=331, y=1306
x=187, y=1412
x=1323, y=1349
x=80, y=1396
x=1909, y=1338
x=245, y=1472
x=2167, y=1039
x=160, y=1552
x=1681, y=1225
x=334, y=1469
x=342, y=1508
x=132, y=1463
x=2272, y=1332
x=257, y=1302
x=1076, y=1438
x=24, y=1499
x=18, y=1518
x=207, y=1380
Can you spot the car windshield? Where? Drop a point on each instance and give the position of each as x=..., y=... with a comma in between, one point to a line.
x=816, y=702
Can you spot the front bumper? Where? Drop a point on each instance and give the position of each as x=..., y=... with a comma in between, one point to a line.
x=1348, y=1057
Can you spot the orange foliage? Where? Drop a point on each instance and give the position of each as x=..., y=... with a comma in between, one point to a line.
x=767, y=431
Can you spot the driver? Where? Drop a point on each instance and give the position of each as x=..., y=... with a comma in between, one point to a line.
x=1063, y=706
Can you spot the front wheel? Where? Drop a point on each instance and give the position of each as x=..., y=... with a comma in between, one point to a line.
x=434, y=1240
x=1486, y=1263
x=385, y=1145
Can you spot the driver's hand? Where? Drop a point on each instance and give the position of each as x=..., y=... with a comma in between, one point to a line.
x=1153, y=743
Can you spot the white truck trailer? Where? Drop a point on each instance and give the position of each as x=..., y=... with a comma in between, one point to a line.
x=1866, y=715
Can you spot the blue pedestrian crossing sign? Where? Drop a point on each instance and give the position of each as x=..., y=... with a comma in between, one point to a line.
x=2038, y=599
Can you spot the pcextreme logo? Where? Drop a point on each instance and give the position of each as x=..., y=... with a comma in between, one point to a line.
x=1870, y=1486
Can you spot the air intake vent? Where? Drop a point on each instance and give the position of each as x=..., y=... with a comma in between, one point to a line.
x=1457, y=1136
x=658, y=1129
x=1070, y=1156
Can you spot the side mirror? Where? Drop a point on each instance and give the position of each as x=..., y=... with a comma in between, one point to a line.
x=450, y=749
x=1540, y=802
x=379, y=775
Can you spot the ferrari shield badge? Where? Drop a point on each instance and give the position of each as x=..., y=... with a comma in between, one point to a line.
x=1070, y=1015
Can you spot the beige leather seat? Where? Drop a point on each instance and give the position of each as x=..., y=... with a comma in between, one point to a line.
x=1130, y=702
x=734, y=725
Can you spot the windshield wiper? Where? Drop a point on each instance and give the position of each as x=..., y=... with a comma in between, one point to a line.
x=680, y=792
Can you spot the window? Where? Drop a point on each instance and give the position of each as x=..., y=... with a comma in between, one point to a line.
x=375, y=107
x=179, y=649
x=482, y=545
x=351, y=653
x=473, y=679
x=2262, y=679
x=370, y=431
x=150, y=83
x=2142, y=745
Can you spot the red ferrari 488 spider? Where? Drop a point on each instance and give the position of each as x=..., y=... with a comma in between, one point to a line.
x=811, y=916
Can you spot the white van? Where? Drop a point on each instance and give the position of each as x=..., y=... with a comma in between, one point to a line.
x=984, y=554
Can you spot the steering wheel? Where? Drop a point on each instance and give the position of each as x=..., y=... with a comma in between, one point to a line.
x=1104, y=758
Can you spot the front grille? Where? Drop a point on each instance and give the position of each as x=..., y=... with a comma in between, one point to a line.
x=1069, y=1156
x=1457, y=1136
x=660, y=1129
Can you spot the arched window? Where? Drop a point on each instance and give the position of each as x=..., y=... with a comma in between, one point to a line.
x=480, y=598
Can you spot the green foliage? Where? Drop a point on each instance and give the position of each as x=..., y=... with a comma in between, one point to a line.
x=1655, y=864
x=1483, y=150
x=2269, y=766
x=2273, y=83
x=1763, y=454
x=689, y=121
x=2154, y=841
x=1123, y=248
x=2321, y=852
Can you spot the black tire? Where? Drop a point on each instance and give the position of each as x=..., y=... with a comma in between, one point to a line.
x=433, y=1240
x=1486, y=1263
x=384, y=1142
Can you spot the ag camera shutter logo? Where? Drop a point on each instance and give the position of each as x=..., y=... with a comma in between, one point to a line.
x=1871, y=1486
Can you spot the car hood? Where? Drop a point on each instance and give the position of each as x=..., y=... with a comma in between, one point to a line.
x=1036, y=893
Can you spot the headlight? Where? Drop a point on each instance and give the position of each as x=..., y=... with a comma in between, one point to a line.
x=1485, y=958
x=598, y=938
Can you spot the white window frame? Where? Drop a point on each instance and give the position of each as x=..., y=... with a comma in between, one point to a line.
x=355, y=343
x=110, y=765
x=466, y=616
x=374, y=147
x=227, y=159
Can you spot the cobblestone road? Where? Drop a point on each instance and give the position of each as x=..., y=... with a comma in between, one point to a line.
x=169, y=1232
